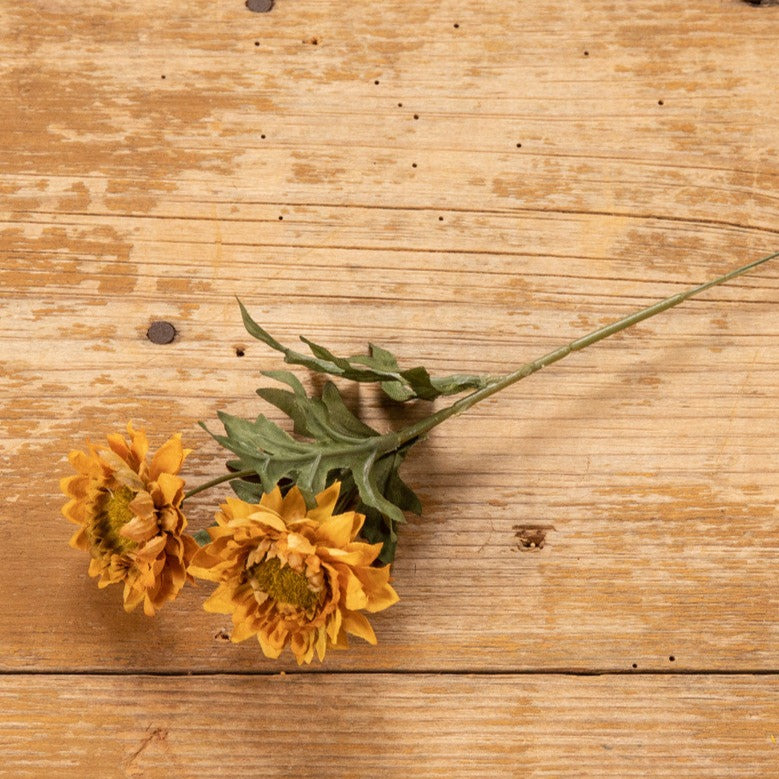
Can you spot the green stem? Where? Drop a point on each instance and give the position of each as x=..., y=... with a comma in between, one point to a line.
x=218, y=480
x=463, y=404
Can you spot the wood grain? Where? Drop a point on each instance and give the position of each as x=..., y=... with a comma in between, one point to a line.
x=389, y=725
x=471, y=186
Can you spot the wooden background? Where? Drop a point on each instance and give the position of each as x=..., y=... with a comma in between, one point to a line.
x=470, y=185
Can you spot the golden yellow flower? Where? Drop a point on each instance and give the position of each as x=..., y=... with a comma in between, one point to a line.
x=293, y=576
x=129, y=516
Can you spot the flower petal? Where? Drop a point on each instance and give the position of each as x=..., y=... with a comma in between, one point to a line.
x=293, y=505
x=325, y=503
x=268, y=518
x=272, y=500
x=357, y=624
x=337, y=530
x=168, y=458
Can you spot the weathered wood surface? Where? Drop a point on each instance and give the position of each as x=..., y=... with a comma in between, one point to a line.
x=520, y=174
x=389, y=725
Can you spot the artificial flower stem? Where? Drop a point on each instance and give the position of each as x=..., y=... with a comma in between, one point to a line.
x=219, y=480
x=463, y=404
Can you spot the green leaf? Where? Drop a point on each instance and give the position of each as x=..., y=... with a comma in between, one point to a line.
x=332, y=444
x=251, y=492
x=380, y=366
x=378, y=529
x=201, y=537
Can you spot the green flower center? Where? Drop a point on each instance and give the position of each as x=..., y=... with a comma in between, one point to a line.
x=283, y=584
x=112, y=514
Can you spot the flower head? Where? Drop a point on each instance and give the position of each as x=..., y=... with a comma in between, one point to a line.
x=129, y=515
x=293, y=576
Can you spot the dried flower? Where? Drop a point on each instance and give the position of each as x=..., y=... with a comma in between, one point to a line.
x=293, y=576
x=129, y=516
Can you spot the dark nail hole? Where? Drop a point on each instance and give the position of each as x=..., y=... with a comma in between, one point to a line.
x=586, y=53
x=376, y=81
x=416, y=116
x=672, y=658
x=259, y=6
x=400, y=105
x=162, y=76
x=519, y=145
x=161, y=332
x=263, y=136
x=413, y=164
x=440, y=219
x=281, y=218
x=635, y=665
x=256, y=43
x=239, y=351
x=456, y=26
x=660, y=102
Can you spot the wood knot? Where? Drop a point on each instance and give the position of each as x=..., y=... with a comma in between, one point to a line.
x=531, y=536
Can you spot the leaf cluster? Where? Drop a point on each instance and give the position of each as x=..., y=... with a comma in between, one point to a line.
x=331, y=444
x=379, y=365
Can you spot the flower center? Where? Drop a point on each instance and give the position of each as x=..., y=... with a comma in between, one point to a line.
x=112, y=515
x=118, y=508
x=283, y=584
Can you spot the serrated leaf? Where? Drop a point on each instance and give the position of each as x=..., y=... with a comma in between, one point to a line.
x=396, y=390
x=339, y=415
x=338, y=446
x=399, y=493
x=287, y=402
x=379, y=366
x=251, y=492
x=378, y=529
x=325, y=354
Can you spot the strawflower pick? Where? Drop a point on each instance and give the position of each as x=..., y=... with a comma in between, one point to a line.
x=306, y=546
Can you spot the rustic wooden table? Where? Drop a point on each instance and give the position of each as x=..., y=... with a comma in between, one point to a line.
x=592, y=589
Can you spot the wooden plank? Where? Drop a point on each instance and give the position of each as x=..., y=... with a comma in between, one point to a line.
x=389, y=725
x=650, y=457
x=127, y=197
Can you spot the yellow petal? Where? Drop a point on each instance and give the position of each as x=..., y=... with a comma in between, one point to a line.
x=141, y=529
x=325, y=503
x=142, y=505
x=375, y=582
x=351, y=557
x=148, y=607
x=95, y=567
x=170, y=487
x=204, y=571
x=321, y=644
x=168, y=458
x=293, y=505
x=269, y=518
x=235, y=508
x=358, y=625
x=132, y=596
x=300, y=544
x=272, y=500
x=140, y=444
x=151, y=549
x=267, y=648
x=355, y=595
x=241, y=631
x=79, y=540
x=119, y=446
x=123, y=473
x=221, y=601
x=336, y=531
